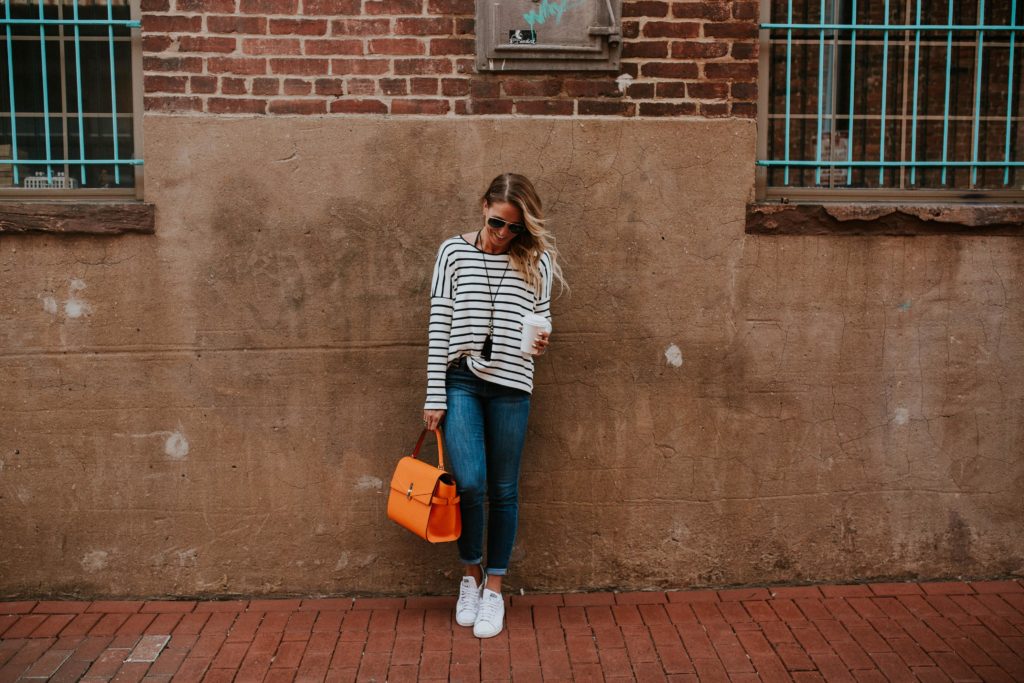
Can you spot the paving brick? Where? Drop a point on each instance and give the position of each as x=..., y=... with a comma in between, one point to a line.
x=109, y=624
x=538, y=600
x=615, y=662
x=148, y=648
x=108, y=663
x=283, y=676
x=339, y=604
x=997, y=586
x=133, y=672
x=846, y=591
x=588, y=599
x=299, y=626
x=894, y=668
x=832, y=667
x=70, y=672
x=732, y=655
x=191, y=624
x=710, y=671
x=692, y=596
x=930, y=674
x=168, y=606
x=220, y=623
x=115, y=606
x=230, y=656
x=90, y=648
x=627, y=615
x=136, y=624
x=164, y=624
x=222, y=606
x=954, y=667
x=794, y=657
x=168, y=663
x=25, y=625
x=868, y=639
x=787, y=610
x=255, y=666
x=53, y=625
x=795, y=592
x=998, y=606
x=378, y=603
x=910, y=652
x=434, y=665
x=328, y=621
x=47, y=665
x=21, y=606
x=655, y=614
x=191, y=670
x=741, y=594
x=54, y=607
x=946, y=588
x=640, y=598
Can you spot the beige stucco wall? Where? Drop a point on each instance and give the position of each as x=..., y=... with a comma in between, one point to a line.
x=212, y=409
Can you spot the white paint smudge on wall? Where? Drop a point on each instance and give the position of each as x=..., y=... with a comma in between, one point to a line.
x=673, y=356
x=74, y=306
x=23, y=494
x=95, y=560
x=176, y=445
x=368, y=483
x=901, y=416
x=188, y=558
x=342, y=561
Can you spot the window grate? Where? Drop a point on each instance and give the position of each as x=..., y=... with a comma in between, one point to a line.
x=68, y=112
x=869, y=96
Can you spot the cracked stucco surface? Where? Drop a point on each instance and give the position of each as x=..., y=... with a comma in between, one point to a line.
x=222, y=412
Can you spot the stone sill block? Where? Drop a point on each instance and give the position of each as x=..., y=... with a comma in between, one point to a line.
x=77, y=217
x=869, y=218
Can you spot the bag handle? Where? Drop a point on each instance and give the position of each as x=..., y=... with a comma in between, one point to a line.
x=440, y=446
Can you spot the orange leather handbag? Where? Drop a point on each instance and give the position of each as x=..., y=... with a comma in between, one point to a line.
x=423, y=498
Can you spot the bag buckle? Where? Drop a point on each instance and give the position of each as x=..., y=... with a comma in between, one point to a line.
x=408, y=494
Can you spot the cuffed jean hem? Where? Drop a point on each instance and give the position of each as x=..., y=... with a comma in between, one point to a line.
x=493, y=571
x=472, y=562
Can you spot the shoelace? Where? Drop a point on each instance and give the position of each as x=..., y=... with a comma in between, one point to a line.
x=489, y=609
x=468, y=597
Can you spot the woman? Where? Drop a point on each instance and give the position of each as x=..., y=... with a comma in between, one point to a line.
x=479, y=382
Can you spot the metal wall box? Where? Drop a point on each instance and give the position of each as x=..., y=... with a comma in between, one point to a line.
x=548, y=35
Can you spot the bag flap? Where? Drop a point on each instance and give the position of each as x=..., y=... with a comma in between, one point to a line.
x=416, y=479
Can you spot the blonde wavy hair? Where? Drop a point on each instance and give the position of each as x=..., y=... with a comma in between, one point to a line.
x=525, y=251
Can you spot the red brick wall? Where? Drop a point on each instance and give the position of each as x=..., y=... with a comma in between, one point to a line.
x=687, y=58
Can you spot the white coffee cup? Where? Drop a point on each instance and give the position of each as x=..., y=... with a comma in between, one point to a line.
x=533, y=325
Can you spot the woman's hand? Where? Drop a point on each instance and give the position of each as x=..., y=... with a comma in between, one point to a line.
x=432, y=418
x=541, y=345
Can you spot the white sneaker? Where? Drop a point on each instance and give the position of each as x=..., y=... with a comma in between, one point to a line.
x=491, y=616
x=469, y=602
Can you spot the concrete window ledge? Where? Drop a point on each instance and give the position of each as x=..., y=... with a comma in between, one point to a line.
x=774, y=218
x=91, y=218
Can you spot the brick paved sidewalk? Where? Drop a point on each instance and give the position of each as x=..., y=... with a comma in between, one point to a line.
x=875, y=632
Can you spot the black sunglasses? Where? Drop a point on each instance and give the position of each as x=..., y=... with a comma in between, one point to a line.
x=498, y=224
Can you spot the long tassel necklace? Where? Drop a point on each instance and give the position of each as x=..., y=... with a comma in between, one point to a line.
x=485, y=353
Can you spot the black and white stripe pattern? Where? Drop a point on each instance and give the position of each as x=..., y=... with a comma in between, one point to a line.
x=460, y=310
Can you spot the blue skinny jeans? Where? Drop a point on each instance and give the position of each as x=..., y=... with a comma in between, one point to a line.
x=485, y=426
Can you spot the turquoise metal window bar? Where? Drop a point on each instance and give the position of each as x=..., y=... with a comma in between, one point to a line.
x=52, y=161
x=869, y=34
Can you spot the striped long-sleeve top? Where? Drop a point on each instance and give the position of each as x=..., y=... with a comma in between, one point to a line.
x=465, y=281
